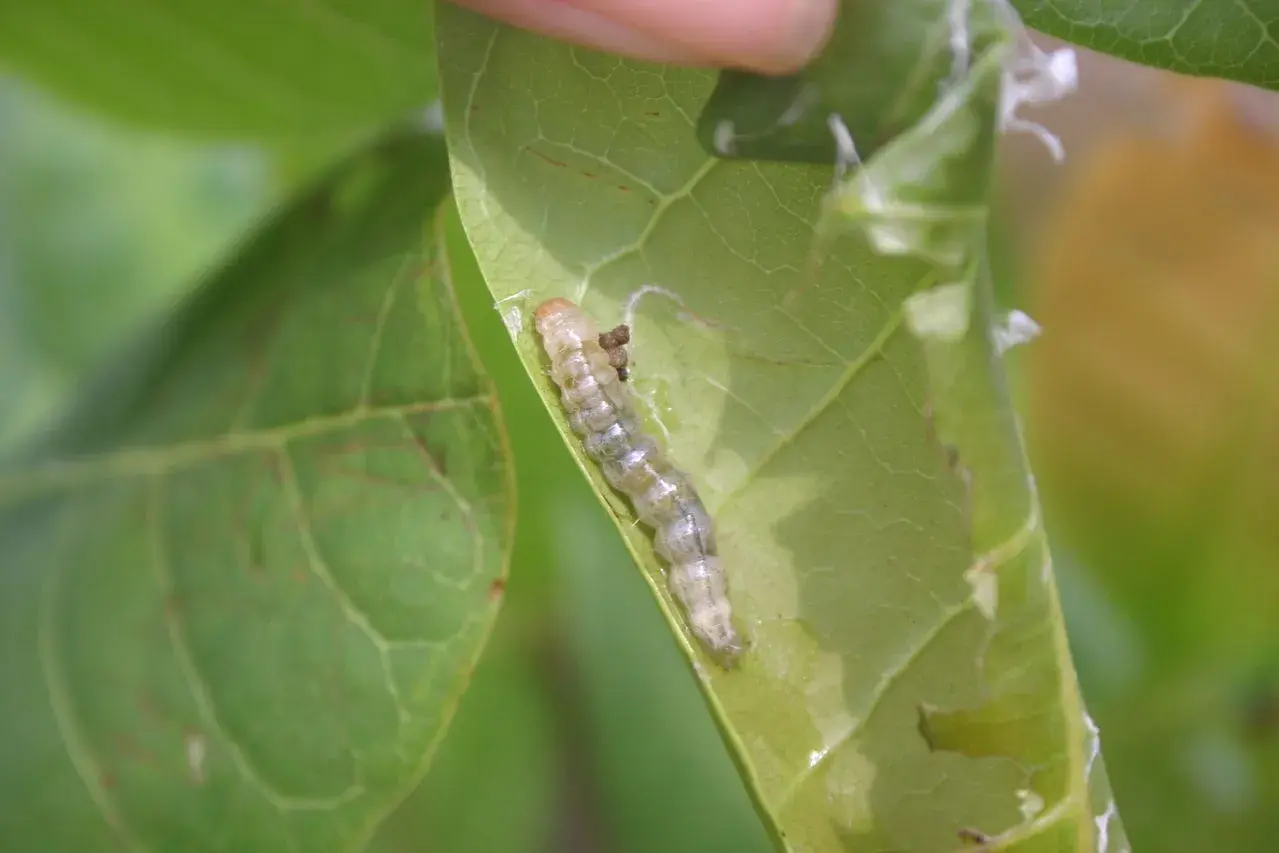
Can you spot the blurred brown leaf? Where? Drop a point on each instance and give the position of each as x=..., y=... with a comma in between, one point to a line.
x=1154, y=421
x=1154, y=394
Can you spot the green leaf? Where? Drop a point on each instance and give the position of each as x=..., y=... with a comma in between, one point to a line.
x=232, y=68
x=885, y=566
x=1234, y=39
x=499, y=750
x=248, y=579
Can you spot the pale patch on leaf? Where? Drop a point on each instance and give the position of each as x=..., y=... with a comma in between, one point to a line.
x=941, y=312
x=849, y=783
x=1031, y=804
x=985, y=585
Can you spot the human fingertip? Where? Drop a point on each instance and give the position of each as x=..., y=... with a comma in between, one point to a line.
x=810, y=23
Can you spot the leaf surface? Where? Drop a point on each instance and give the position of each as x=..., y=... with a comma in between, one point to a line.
x=248, y=578
x=793, y=395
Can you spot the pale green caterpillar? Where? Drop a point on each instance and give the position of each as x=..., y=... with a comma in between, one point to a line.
x=600, y=411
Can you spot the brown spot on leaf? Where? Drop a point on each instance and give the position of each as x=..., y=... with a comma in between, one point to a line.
x=560, y=164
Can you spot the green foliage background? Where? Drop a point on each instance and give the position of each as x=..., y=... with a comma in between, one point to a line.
x=120, y=186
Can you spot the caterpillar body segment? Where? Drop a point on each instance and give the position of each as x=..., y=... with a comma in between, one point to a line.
x=600, y=411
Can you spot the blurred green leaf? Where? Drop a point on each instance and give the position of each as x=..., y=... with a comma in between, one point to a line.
x=247, y=580
x=664, y=781
x=876, y=583
x=1192, y=740
x=230, y=68
x=1234, y=39
x=100, y=227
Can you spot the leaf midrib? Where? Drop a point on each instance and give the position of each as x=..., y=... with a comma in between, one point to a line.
x=62, y=474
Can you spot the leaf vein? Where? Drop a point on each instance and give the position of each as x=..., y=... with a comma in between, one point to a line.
x=992, y=559
x=854, y=368
x=664, y=203
x=1046, y=820
x=319, y=567
x=379, y=328
x=66, y=473
x=62, y=704
x=200, y=689
x=885, y=683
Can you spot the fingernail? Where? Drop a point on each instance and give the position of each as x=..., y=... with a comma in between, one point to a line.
x=811, y=23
